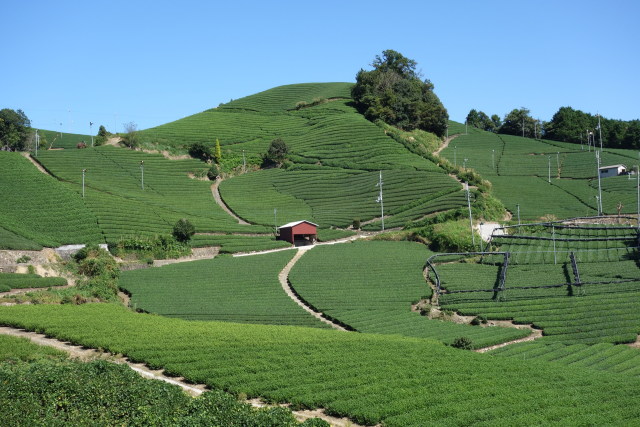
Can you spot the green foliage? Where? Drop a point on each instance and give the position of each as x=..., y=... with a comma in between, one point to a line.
x=130, y=138
x=451, y=236
x=23, y=259
x=183, y=230
x=50, y=213
x=370, y=286
x=480, y=120
x=153, y=247
x=96, y=262
x=462, y=343
x=514, y=121
x=394, y=93
x=21, y=281
x=13, y=349
x=219, y=289
x=371, y=378
x=102, y=393
x=14, y=129
x=276, y=153
x=218, y=152
x=201, y=150
x=55, y=139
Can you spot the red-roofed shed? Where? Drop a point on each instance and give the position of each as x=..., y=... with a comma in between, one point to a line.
x=299, y=232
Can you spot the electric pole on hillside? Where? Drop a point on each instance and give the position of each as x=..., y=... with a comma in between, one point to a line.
x=493, y=160
x=142, y=174
x=599, y=186
x=638, y=191
x=37, y=142
x=523, y=127
x=455, y=155
x=549, y=169
x=600, y=131
x=275, y=221
x=83, y=171
x=244, y=163
x=91, y=132
x=473, y=238
x=379, y=200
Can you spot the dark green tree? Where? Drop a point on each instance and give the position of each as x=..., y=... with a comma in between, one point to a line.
x=480, y=120
x=516, y=120
x=394, y=93
x=570, y=125
x=15, y=127
x=183, y=230
x=130, y=138
x=276, y=154
x=201, y=150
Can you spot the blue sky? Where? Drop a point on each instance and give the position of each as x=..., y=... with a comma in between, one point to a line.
x=150, y=62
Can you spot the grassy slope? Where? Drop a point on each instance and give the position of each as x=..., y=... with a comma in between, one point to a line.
x=240, y=289
x=371, y=378
x=371, y=286
x=518, y=168
x=41, y=209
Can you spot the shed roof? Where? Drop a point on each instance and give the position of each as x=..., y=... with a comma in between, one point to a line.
x=613, y=166
x=293, y=224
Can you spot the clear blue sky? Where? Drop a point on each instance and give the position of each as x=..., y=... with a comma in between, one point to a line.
x=67, y=63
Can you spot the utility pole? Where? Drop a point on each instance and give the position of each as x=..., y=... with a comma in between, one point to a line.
x=464, y=163
x=600, y=131
x=493, y=160
x=379, y=200
x=473, y=238
x=244, y=163
x=553, y=233
x=518, y=208
x=275, y=221
x=83, y=171
x=447, y=126
x=549, y=169
x=638, y=191
x=37, y=141
x=599, y=186
x=91, y=132
x=523, y=127
x=455, y=159
x=142, y=174
x=466, y=127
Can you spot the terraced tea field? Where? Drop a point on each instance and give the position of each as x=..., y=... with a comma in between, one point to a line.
x=334, y=197
x=37, y=208
x=543, y=290
x=114, y=193
x=371, y=286
x=371, y=378
x=234, y=289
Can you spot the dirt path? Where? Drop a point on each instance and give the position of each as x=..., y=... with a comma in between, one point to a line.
x=38, y=165
x=87, y=354
x=222, y=204
x=535, y=334
x=445, y=144
x=207, y=252
x=283, y=277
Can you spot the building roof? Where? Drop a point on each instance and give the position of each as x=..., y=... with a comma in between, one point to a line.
x=293, y=224
x=613, y=166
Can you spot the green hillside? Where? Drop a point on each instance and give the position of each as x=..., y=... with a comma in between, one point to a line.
x=520, y=169
x=41, y=209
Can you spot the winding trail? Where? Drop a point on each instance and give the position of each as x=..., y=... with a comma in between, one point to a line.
x=87, y=354
x=38, y=165
x=535, y=334
x=283, y=277
x=216, y=196
x=445, y=144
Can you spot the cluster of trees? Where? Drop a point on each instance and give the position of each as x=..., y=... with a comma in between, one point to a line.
x=572, y=126
x=15, y=129
x=395, y=93
x=567, y=125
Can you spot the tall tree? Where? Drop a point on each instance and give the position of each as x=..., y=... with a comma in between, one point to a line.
x=14, y=129
x=394, y=93
x=519, y=122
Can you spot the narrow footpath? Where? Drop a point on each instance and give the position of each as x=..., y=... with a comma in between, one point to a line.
x=88, y=354
x=222, y=204
x=283, y=277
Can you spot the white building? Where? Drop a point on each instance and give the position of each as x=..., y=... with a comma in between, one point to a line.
x=613, y=170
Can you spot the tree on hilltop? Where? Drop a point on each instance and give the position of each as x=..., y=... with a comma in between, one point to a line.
x=276, y=153
x=14, y=129
x=394, y=93
x=516, y=120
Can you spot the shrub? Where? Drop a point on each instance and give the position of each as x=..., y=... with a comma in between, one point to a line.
x=463, y=343
x=183, y=230
x=356, y=223
x=200, y=150
x=23, y=259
